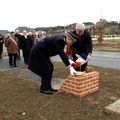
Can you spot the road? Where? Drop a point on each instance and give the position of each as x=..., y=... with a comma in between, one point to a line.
x=102, y=59
x=106, y=59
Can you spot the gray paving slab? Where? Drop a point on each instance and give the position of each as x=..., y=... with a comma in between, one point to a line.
x=114, y=107
x=100, y=58
x=4, y=65
x=20, y=71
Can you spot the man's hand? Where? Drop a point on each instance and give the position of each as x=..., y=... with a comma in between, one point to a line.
x=89, y=56
x=78, y=56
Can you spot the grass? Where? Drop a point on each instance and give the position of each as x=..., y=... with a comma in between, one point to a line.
x=108, y=39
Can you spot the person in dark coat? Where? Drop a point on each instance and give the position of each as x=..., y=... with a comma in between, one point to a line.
x=17, y=38
x=26, y=44
x=1, y=44
x=40, y=62
x=83, y=46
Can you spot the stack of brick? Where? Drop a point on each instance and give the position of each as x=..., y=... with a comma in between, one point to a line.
x=81, y=85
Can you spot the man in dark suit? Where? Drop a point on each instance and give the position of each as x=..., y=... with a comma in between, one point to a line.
x=1, y=44
x=40, y=62
x=26, y=44
x=17, y=38
x=83, y=47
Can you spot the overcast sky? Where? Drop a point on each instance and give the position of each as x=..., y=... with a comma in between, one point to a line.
x=43, y=13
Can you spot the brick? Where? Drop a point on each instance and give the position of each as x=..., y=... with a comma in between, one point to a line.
x=81, y=85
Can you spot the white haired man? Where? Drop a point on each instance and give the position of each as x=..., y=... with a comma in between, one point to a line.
x=83, y=46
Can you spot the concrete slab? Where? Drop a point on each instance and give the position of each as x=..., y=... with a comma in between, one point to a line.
x=114, y=107
x=57, y=82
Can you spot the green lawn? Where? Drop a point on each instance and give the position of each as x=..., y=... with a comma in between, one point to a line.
x=108, y=39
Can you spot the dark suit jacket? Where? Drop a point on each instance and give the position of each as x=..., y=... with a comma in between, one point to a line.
x=26, y=45
x=40, y=62
x=83, y=44
x=51, y=46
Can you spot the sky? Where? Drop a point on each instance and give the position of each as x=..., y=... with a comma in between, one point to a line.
x=46, y=13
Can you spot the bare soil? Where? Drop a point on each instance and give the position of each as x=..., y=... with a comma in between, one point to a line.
x=20, y=98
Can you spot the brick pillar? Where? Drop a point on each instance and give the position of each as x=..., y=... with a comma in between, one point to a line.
x=81, y=85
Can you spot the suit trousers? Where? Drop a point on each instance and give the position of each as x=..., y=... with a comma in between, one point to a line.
x=12, y=59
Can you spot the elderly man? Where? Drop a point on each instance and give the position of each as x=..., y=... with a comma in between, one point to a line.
x=83, y=47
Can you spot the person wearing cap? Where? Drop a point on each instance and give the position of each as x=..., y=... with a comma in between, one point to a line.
x=40, y=62
x=83, y=47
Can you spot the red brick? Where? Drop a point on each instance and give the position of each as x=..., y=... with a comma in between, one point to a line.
x=77, y=83
x=81, y=85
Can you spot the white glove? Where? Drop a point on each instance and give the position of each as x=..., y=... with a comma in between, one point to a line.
x=81, y=60
x=70, y=61
x=72, y=71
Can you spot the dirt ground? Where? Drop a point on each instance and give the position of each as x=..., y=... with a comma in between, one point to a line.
x=20, y=98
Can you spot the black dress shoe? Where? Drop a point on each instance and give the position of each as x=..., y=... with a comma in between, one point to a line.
x=46, y=92
x=54, y=90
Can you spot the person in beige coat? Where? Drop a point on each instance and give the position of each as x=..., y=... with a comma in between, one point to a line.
x=12, y=47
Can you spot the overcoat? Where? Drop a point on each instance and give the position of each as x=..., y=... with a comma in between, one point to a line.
x=83, y=46
x=1, y=43
x=40, y=62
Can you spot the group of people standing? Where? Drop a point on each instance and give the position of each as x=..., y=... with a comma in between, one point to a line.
x=37, y=50
x=79, y=43
x=16, y=41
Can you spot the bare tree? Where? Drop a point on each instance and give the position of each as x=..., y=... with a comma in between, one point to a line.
x=100, y=30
